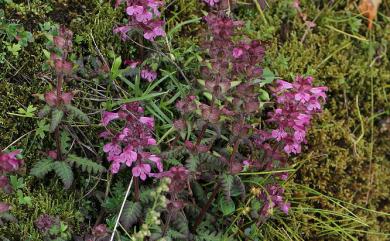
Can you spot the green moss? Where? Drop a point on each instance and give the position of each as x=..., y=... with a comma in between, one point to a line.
x=332, y=163
x=48, y=199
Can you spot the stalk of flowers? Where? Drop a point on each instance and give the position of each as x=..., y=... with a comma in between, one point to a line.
x=297, y=102
x=128, y=146
x=9, y=162
x=143, y=16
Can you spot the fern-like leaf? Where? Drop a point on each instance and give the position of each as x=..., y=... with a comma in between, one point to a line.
x=132, y=211
x=56, y=118
x=85, y=164
x=65, y=141
x=192, y=163
x=227, y=184
x=42, y=167
x=64, y=172
x=76, y=112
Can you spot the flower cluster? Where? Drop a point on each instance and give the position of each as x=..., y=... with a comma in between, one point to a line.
x=296, y=102
x=272, y=197
x=45, y=222
x=128, y=145
x=144, y=15
x=9, y=162
x=62, y=45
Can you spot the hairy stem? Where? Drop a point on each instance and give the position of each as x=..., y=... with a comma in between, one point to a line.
x=136, y=189
x=202, y=132
x=58, y=143
x=202, y=213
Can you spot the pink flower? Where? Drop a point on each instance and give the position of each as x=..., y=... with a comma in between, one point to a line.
x=108, y=117
x=157, y=161
x=128, y=156
x=134, y=10
x=296, y=4
x=211, y=2
x=279, y=134
x=151, y=141
x=237, y=52
x=9, y=162
x=122, y=31
x=112, y=149
x=148, y=121
x=132, y=63
x=148, y=75
x=154, y=32
x=142, y=170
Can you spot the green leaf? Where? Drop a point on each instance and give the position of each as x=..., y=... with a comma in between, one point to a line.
x=227, y=184
x=64, y=172
x=29, y=112
x=131, y=212
x=85, y=164
x=16, y=183
x=264, y=96
x=42, y=167
x=79, y=114
x=14, y=49
x=56, y=118
x=268, y=77
x=115, y=67
x=226, y=206
x=65, y=141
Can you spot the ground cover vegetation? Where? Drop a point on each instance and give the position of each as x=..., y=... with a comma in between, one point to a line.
x=194, y=120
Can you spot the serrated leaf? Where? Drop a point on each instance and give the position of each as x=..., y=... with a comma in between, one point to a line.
x=65, y=141
x=56, y=118
x=42, y=167
x=64, y=172
x=131, y=212
x=76, y=112
x=85, y=164
x=227, y=183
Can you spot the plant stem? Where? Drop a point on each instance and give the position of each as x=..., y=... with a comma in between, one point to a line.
x=121, y=210
x=136, y=189
x=60, y=79
x=58, y=143
x=202, y=213
x=200, y=137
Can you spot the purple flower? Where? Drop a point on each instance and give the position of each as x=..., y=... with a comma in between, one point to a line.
x=142, y=171
x=122, y=31
x=155, y=31
x=132, y=63
x=157, y=161
x=148, y=75
x=148, y=121
x=297, y=102
x=128, y=156
x=144, y=16
x=211, y=2
x=127, y=146
x=237, y=52
x=45, y=222
x=9, y=162
x=108, y=117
